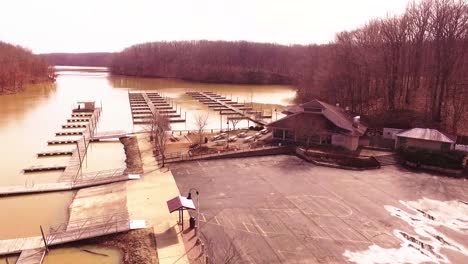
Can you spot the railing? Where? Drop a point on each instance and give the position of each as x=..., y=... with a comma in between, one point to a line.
x=461, y=147
x=179, y=156
x=85, y=228
x=99, y=175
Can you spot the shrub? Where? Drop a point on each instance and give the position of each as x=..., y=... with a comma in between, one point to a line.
x=448, y=160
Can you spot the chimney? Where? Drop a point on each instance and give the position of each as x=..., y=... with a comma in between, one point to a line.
x=356, y=121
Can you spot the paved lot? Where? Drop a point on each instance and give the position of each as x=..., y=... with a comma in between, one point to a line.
x=280, y=209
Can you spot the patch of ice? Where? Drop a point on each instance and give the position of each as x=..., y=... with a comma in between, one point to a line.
x=424, y=215
x=133, y=176
x=137, y=224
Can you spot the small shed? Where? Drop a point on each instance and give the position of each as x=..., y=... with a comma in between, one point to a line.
x=180, y=203
x=85, y=106
x=424, y=138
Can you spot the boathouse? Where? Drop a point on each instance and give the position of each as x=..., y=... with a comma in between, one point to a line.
x=320, y=123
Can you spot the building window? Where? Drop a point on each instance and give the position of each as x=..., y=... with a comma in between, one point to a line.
x=289, y=135
x=445, y=147
x=278, y=133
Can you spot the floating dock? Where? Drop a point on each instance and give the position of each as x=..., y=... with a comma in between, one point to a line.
x=228, y=107
x=33, y=249
x=82, y=181
x=144, y=105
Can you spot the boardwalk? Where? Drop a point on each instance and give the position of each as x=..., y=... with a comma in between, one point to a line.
x=72, y=176
x=226, y=106
x=32, y=256
x=82, y=181
x=73, y=231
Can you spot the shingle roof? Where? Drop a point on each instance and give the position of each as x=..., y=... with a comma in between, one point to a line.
x=338, y=116
x=425, y=134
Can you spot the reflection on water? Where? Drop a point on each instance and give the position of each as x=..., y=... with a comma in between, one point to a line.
x=27, y=212
x=83, y=255
x=264, y=97
x=31, y=118
x=104, y=156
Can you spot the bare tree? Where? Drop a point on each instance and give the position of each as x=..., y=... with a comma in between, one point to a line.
x=223, y=252
x=234, y=120
x=201, y=121
x=159, y=134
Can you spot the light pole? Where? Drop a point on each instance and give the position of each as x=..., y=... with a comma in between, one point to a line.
x=189, y=197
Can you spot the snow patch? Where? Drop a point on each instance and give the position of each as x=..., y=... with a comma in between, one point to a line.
x=427, y=242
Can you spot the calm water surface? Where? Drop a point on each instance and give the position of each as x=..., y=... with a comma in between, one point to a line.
x=30, y=118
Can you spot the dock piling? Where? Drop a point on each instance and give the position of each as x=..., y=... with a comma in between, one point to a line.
x=44, y=239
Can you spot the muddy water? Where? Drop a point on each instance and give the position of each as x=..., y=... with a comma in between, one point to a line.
x=266, y=98
x=84, y=255
x=30, y=118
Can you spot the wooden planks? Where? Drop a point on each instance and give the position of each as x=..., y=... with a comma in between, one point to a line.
x=215, y=101
x=44, y=168
x=82, y=181
x=54, y=153
x=32, y=256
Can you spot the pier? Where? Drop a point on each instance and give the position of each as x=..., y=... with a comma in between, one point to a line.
x=145, y=105
x=33, y=249
x=228, y=107
x=72, y=176
x=84, y=180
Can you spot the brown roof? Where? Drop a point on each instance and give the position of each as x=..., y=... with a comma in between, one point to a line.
x=425, y=134
x=179, y=202
x=338, y=116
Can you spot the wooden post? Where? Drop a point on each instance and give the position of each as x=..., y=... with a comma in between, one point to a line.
x=78, y=148
x=43, y=238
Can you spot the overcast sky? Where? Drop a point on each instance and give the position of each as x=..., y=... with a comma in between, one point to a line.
x=111, y=25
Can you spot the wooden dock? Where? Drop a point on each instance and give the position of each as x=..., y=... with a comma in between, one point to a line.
x=74, y=126
x=144, y=105
x=66, y=233
x=226, y=106
x=54, y=153
x=69, y=133
x=62, y=142
x=81, y=181
x=44, y=168
x=32, y=256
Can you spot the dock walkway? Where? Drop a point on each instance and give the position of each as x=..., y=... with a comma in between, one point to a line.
x=82, y=181
x=70, y=232
x=144, y=105
x=218, y=102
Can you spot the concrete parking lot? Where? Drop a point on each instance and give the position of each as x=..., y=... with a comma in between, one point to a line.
x=281, y=209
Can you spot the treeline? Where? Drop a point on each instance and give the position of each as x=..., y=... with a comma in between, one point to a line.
x=415, y=62
x=210, y=61
x=411, y=68
x=19, y=66
x=95, y=59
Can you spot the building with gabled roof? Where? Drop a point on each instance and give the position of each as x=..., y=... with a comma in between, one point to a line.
x=424, y=138
x=319, y=122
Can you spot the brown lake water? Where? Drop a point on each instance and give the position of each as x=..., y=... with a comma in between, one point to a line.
x=30, y=118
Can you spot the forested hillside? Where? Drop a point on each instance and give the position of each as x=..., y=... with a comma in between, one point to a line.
x=411, y=68
x=415, y=63
x=210, y=61
x=96, y=59
x=19, y=66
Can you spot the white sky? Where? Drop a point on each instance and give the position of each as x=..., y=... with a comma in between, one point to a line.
x=111, y=25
